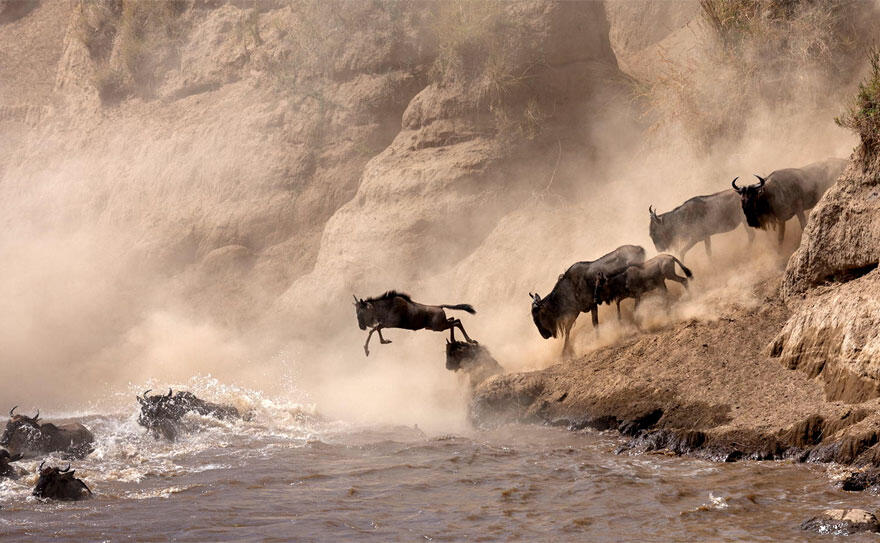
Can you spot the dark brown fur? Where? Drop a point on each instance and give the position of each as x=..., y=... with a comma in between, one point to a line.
x=574, y=293
x=28, y=436
x=397, y=310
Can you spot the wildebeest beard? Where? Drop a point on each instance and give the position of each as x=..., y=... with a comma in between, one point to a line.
x=756, y=208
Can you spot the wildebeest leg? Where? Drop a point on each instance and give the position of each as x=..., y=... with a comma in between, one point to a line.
x=594, y=313
x=801, y=218
x=781, y=234
x=686, y=249
x=566, y=334
x=708, y=243
x=456, y=322
x=382, y=340
x=618, y=309
x=367, y=343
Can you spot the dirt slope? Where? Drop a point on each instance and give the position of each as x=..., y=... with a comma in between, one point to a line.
x=704, y=388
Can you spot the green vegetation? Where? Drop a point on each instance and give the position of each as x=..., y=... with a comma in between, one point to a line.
x=863, y=115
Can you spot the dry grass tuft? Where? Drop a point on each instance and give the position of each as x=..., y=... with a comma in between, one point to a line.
x=770, y=54
x=863, y=115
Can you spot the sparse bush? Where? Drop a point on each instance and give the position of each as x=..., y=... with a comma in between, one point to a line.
x=111, y=85
x=863, y=115
x=481, y=47
x=145, y=32
x=770, y=54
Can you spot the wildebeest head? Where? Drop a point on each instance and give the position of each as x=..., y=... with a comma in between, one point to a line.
x=20, y=430
x=544, y=316
x=160, y=413
x=661, y=234
x=60, y=484
x=365, y=313
x=5, y=459
x=755, y=204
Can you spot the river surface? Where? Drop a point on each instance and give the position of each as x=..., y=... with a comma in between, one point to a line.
x=290, y=474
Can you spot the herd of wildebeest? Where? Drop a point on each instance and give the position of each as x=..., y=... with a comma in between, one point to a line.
x=29, y=437
x=623, y=273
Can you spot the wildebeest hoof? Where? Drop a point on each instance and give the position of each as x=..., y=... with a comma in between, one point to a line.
x=366, y=351
x=385, y=341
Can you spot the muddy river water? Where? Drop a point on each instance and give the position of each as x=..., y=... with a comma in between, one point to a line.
x=292, y=475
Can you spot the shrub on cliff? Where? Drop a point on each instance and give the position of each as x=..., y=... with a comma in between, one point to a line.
x=143, y=32
x=863, y=115
x=794, y=58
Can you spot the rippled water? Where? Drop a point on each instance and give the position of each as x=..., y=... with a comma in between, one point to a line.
x=289, y=474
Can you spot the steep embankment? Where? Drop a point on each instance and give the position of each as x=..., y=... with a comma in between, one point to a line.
x=798, y=375
x=708, y=388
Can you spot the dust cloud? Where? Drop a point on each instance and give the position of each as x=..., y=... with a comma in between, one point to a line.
x=144, y=249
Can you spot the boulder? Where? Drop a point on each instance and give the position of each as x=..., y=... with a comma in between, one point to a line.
x=842, y=522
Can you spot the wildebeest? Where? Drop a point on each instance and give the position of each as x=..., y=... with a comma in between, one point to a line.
x=60, y=484
x=162, y=413
x=636, y=281
x=26, y=435
x=696, y=220
x=397, y=310
x=473, y=359
x=786, y=193
x=574, y=293
x=5, y=459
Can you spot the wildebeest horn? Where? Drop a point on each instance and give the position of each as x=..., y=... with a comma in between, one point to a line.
x=652, y=212
x=355, y=299
x=761, y=179
x=169, y=393
x=37, y=415
x=65, y=470
x=41, y=466
x=734, y=184
x=11, y=410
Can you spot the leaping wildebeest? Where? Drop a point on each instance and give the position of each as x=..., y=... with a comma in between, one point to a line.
x=397, y=310
x=574, y=293
x=636, y=281
x=27, y=435
x=786, y=193
x=696, y=220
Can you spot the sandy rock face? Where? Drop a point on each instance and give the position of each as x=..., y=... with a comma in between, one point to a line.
x=833, y=331
x=835, y=335
x=456, y=167
x=842, y=238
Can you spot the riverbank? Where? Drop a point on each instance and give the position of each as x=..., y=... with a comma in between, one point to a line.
x=707, y=388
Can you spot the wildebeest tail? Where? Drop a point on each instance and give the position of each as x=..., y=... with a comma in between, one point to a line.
x=686, y=271
x=464, y=307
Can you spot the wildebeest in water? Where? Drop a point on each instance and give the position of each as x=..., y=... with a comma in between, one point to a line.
x=60, y=484
x=787, y=193
x=636, y=281
x=574, y=293
x=162, y=413
x=397, y=310
x=5, y=459
x=28, y=436
x=696, y=220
